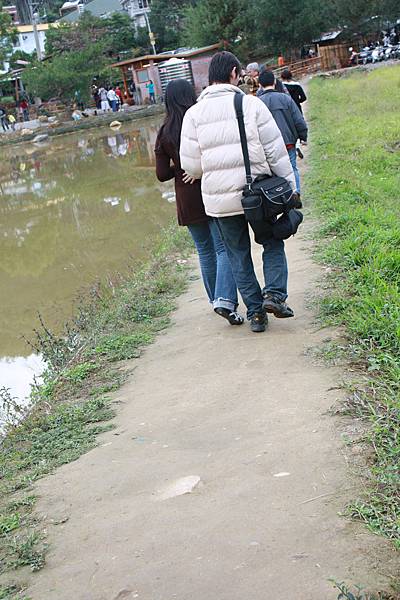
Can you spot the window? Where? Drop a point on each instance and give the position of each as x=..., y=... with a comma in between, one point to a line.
x=143, y=76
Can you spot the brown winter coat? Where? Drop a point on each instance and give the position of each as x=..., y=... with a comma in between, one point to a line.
x=189, y=203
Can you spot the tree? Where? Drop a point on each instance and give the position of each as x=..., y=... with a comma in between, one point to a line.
x=210, y=21
x=355, y=15
x=117, y=34
x=167, y=22
x=20, y=55
x=388, y=9
x=120, y=32
x=284, y=25
x=66, y=73
x=8, y=35
x=366, y=17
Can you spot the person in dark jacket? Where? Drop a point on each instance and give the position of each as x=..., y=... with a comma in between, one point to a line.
x=294, y=88
x=3, y=119
x=214, y=263
x=287, y=116
x=279, y=86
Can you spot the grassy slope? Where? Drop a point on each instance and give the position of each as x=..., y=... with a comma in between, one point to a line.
x=73, y=404
x=354, y=184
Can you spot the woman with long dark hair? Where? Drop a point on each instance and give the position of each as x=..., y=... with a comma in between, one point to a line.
x=214, y=264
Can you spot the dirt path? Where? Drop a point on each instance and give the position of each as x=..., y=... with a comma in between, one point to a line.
x=246, y=414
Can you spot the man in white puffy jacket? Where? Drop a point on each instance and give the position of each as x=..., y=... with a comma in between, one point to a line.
x=211, y=150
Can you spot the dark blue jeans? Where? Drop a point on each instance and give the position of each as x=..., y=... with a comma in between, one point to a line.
x=235, y=233
x=215, y=267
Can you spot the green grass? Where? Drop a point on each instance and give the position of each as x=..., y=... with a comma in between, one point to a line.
x=354, y=182
x=72, y=406
x=357, y=593
x=12, y=592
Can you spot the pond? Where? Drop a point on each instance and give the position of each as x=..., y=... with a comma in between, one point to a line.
x=73, y=210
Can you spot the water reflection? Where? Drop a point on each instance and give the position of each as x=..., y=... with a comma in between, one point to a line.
x=71, y=210
x=18, y=373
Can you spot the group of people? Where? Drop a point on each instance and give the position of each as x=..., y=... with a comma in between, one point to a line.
x=260, y=81
x=8, y=119
x=199, y=146
x=107, y=98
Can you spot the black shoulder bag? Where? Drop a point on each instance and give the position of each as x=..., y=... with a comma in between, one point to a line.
x=268, y=196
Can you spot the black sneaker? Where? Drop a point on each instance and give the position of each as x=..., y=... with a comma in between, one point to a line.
x=299, y=153
x=233, y=317
x=259, y=322
x=277, y=307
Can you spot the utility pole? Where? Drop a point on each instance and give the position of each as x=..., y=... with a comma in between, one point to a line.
x=151, y=34
x=34, y=17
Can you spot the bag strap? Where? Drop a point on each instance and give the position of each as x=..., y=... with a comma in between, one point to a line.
x=238, y=101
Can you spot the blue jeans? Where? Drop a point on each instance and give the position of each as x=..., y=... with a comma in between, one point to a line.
x=215, y=267
x=235, y=233
x=293, y=156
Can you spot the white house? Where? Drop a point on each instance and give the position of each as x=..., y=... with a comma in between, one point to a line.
x=26, y=40
x=26, y=37
x=137, y=10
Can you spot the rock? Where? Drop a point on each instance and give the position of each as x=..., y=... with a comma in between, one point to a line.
x=26, y=131
x=54, y=123
x=115, y=124
x=184, y=485
x=40, y=138
x=52, y=119
x=43, y=119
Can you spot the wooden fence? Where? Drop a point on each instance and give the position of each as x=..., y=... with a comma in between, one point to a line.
x=301, y=68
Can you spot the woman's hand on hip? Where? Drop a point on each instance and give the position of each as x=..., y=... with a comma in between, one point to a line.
x=188, y=178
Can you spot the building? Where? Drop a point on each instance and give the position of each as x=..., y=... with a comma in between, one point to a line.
x=12, y=10
x=333, y=48
x=160, y=68
x=73, y=10
x=26, y=38
x=137, y=10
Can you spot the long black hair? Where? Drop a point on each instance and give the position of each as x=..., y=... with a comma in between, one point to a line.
x=179, y=97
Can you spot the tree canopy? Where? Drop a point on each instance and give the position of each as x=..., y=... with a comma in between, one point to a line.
x=8, y=35
x=167, y=21
x=66, y=74
x=209, y=21
x=117, y=33
x=271, y=25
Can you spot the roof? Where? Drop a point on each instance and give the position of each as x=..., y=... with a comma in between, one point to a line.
x=330, y=35
x=165, y=57
x=98, y=8
x=72, y=4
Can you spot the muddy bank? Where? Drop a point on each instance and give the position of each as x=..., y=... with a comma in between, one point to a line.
x=86, y=123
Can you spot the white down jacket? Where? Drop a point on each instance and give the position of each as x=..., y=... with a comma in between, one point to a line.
x=210, y=147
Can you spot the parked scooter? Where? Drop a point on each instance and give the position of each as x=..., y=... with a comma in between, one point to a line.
x=377, y=54
x=392, y=52
x=365, y=55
